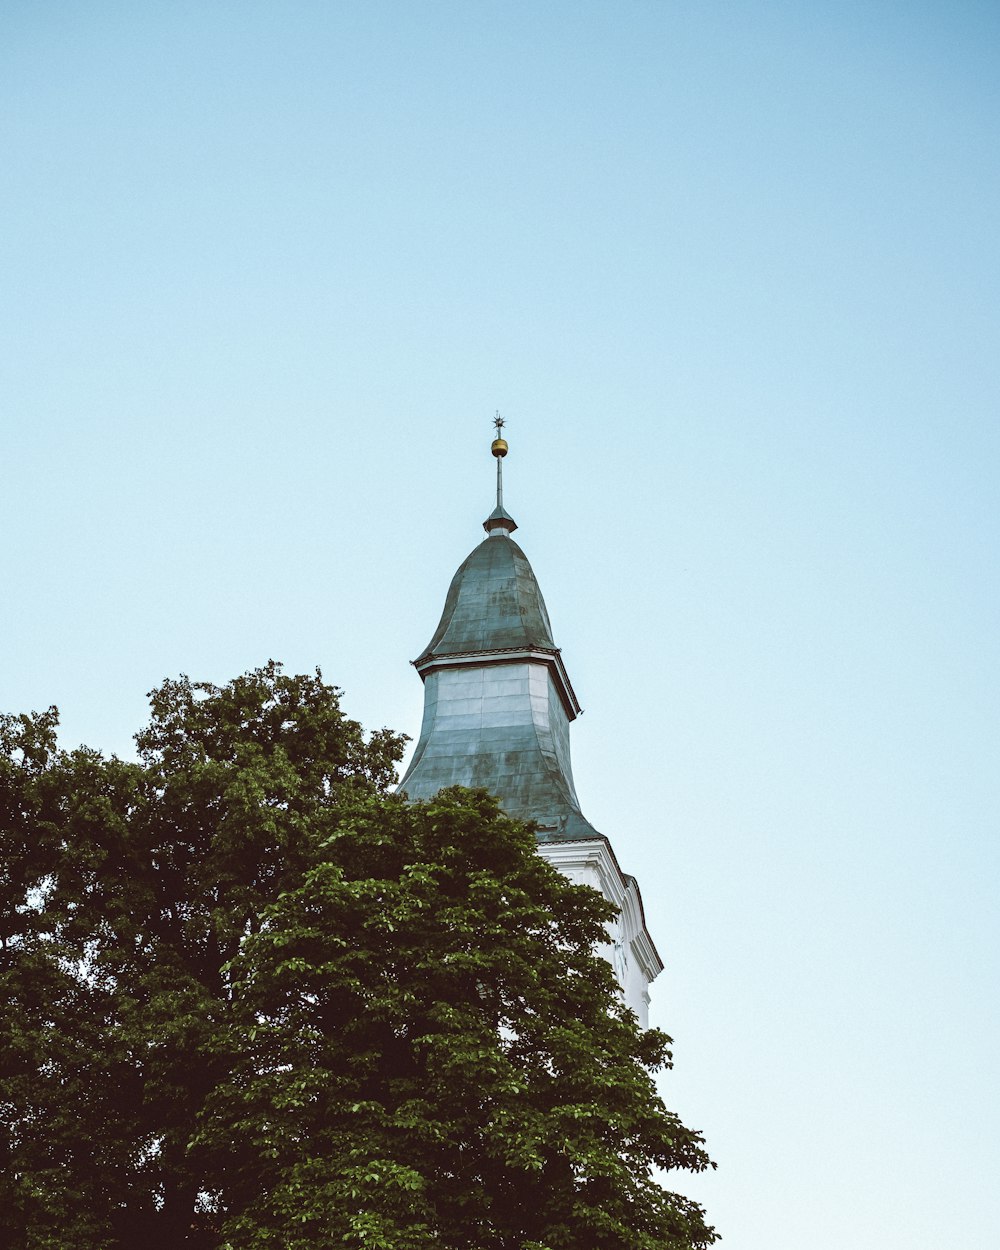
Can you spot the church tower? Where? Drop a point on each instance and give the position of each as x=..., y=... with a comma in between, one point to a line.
x=498, y=704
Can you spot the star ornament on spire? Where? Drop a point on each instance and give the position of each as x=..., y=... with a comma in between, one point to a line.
x=498, y=421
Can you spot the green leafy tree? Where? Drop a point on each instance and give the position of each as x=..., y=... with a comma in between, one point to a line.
x=258, y=1001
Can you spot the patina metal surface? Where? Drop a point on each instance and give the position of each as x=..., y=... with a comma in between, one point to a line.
x=493, y=602
x=497, y=701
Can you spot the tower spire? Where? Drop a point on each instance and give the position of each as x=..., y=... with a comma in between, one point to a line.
x=499, y=522
x=499, y=450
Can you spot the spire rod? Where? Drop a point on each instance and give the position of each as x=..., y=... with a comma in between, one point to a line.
x=499, y=450
x=499, y=521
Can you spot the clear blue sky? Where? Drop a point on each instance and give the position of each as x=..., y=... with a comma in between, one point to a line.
x=731, y=272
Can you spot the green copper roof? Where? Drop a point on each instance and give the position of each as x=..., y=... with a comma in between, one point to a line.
x=493, y=604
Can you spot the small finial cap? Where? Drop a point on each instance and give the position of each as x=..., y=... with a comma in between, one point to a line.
x=499, y=521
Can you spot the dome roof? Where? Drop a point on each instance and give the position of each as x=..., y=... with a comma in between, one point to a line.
x=493, y=604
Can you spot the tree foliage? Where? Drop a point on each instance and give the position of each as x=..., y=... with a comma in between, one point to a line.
x=256, y=1000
